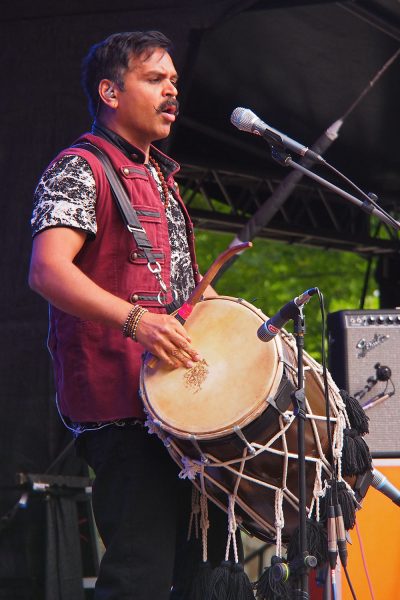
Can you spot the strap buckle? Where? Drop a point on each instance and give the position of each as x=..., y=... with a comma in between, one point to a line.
x=162, y=298
x=133, y=228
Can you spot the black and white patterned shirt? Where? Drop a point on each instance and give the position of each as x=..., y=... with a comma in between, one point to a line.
x=181, y=264
x=66, y=197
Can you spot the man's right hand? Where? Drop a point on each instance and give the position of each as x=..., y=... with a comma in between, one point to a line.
x=55, y=276
x=166, y=338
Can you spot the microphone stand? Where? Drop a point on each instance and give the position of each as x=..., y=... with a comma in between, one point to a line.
x=368, y=205
x=299, y=566
x=304, y=561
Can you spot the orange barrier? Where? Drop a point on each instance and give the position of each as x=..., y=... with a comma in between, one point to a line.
x=379, y=528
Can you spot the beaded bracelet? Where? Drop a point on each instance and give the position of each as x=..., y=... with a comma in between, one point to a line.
x=130, y=318
x=132, y=321
x=136, y=323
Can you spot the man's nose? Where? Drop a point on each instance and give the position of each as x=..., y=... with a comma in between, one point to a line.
x=170, y=89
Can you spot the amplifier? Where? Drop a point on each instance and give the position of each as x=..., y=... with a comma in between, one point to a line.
x=364, y=358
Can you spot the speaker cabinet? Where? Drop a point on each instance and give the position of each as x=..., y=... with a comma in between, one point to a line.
x=364, y=358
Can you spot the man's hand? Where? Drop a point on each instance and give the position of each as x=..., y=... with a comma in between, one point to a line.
x=55, y=276
x=165, y=337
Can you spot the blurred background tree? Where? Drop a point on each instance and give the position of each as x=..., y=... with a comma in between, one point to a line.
x=272, y=273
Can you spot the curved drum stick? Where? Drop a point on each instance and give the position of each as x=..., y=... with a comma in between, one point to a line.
x=186, y=309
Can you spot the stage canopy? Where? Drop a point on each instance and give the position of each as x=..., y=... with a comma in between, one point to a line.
x=300, y=66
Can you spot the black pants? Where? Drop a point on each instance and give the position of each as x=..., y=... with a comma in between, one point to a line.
x=142, y=513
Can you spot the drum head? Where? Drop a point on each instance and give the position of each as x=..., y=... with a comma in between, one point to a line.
x=229, y=387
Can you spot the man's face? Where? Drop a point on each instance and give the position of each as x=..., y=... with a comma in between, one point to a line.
x=147, y=105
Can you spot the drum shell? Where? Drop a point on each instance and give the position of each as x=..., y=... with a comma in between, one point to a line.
x=255, y=503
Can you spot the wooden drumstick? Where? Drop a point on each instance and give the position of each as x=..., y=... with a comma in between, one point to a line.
x=186, y=309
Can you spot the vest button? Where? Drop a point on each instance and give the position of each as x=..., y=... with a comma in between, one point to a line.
x=134, y=298
x=125, y=171
x=133, y=256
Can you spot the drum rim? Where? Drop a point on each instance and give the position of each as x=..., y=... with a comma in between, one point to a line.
x=224, y=431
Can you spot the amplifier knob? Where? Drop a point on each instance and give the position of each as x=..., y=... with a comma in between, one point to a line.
x=371, y=320
x=389, y=319
x=381, y=320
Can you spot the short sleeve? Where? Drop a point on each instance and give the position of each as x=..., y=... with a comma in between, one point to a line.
x=66, y=197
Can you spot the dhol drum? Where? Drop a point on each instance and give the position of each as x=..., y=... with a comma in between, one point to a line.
x=229, y=423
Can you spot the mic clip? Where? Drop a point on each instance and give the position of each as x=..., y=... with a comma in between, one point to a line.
x=299, y=401
x=279, y=154
x=273, y=139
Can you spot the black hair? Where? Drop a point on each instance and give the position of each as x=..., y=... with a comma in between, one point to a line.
x=109, y=59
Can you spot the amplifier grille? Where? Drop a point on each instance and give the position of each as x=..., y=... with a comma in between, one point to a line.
x=358, y=341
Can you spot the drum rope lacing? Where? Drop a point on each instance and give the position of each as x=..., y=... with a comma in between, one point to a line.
x=199, y=513
x=204, y=521
x=232, y=523
x=318, y=491
x=232, y=527
x=194, y=515
x=193, y=466
x=197, y=469
x=279, y=520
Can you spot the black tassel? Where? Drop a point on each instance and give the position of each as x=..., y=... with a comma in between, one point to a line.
x=221, y=581
x=348, y=504
x=356, y=458
x=241, y=588
x=200, y=587
x=357, y=416
x=343, y=497
x=269, y=588
x=317, y=542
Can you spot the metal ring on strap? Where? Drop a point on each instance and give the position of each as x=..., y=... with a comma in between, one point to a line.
x=162, y=297
x=156, y=269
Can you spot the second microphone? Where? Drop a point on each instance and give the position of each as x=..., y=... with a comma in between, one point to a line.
x=272, y=327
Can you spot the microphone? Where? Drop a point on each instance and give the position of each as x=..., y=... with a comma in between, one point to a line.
x=245, y=120
x=371, y=381
x=381, y=483
x=341, y=535
x=270, y=328
x=377, y=400
x=383, y=373
x=332, y=539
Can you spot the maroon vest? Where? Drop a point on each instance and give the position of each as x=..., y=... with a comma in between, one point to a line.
x=97, y=369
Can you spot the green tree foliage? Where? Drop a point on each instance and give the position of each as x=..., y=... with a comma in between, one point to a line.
x=272, y=273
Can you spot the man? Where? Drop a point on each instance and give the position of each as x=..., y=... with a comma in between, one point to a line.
x=102, y=294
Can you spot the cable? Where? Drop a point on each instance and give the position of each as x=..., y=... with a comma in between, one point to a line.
x=349, y=583
x=363, y=557
x=369, y=198
x=333, y=584
x=381, y=397
x=78, y=430
x=364, y=14
x=325, y=379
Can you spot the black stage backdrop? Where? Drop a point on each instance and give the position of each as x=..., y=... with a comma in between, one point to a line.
x=43, y=110
x=300, y=63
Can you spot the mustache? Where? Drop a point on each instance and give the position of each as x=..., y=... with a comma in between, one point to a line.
x=167, y=104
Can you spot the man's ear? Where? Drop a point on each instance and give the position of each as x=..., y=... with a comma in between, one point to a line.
x=107, y=93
